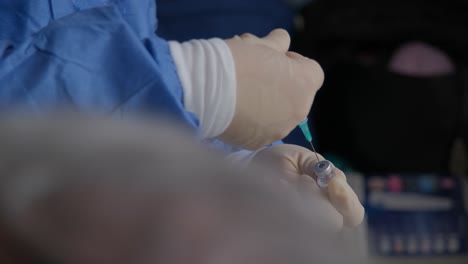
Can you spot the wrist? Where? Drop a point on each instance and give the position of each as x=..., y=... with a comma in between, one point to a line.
x=207, y=73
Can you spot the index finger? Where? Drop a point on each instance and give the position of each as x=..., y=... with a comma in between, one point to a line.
x=345, y=200
x=308, y=70
x=340, y=194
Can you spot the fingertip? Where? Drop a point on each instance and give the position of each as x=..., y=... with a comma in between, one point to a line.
x=279, y=32
x=357, y=218
x=279, y=39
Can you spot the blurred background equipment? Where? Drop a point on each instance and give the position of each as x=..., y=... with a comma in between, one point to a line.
x=394, y=95
x=394, y=109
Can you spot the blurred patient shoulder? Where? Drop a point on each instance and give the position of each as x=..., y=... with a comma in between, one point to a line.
x=87, y=190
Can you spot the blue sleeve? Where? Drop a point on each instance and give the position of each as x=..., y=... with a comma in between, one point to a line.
x=104, y=58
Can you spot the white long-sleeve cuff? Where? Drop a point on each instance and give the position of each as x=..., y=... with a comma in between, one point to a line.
x=207, y=72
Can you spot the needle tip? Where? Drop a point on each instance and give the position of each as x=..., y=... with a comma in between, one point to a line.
x=316, y=155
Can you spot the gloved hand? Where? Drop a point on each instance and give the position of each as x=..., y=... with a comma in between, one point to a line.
x=275, y=89
x=338, y=206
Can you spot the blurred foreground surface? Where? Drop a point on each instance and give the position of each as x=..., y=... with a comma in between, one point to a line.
x=88, y=190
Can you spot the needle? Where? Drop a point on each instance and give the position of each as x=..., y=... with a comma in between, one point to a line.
x=306, y=131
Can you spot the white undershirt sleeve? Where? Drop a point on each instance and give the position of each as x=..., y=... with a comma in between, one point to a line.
x=207, y=72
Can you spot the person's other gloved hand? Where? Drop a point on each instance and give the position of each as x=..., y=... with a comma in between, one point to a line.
x=275, y=89
x=336, y=207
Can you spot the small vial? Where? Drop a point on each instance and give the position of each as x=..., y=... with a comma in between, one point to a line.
x=324, y=172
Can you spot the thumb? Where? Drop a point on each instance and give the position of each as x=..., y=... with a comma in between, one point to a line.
x=279, y=40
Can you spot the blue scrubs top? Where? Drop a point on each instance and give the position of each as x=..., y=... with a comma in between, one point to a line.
x=92, y=54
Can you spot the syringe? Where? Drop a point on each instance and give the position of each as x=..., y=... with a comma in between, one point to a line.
x=304, y=125
x=323, y=169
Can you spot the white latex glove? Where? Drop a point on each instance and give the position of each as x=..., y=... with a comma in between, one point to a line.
x=336, y=207
x=275, y=89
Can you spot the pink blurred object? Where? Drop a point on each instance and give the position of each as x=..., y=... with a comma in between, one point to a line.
x=418, y=59
x=447, y=184
x=395, y=184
